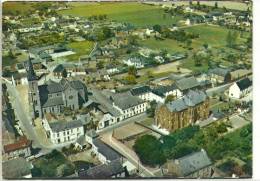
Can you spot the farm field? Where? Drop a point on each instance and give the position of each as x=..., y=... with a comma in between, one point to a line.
x=124, y=12
x=81, y=48
x=172, y=46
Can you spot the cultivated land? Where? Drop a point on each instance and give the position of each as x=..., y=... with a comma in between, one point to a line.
x=138, y=14
x=80, y=48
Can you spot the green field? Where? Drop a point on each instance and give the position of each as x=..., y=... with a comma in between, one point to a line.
x=81, y=48
x=17, y=7
x=172, y=46
x=213, y=35
x=134, y=13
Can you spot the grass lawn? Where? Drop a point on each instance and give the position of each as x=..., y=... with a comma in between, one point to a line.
x=21, y=7
x=131, y=12
x=81, y=48
x=227, y=4
x=213, y=35
x=172, y=46
x=189, y=64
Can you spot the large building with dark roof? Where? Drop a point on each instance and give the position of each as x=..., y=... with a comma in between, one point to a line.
x=53, y=97
x=192, y=107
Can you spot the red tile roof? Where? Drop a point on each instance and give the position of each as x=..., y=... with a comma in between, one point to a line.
x=22, y=143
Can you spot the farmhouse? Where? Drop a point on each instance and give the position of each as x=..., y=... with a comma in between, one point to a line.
x=219, y=75
x=134, y=62
x=240, y=88
x=194, y=165
x=192, y=107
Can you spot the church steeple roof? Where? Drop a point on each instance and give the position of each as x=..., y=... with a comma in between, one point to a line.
x=30, y=71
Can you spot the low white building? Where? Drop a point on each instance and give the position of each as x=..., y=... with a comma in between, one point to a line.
x=240, y=88
x=160, y=93
x=63, y=131
x=134, y=62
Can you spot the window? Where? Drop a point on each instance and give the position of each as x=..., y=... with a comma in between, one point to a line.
x=70, y=97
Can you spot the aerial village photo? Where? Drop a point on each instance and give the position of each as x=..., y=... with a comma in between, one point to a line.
x=127, y=89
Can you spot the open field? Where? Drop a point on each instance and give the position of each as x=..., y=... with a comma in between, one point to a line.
x=81, y=48
x=14, y=7
x=172, y=46
x=213, y=35
x=129, y=12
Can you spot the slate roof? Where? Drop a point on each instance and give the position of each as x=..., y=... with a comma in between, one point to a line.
x=59, y=68
x=106, y=105
x=187, y=83
x=219, y=71
x=244, y=83
x=65, y=125
x=192, y=98
x=140, y=90
x=106, y=150
x=16, y=168
x=126, y=100
x=193, y=162
x=52, y=101
x=162, y=90
x=103, y=171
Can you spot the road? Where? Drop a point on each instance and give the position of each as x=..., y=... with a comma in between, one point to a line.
x=25, y=121
x=127, y=153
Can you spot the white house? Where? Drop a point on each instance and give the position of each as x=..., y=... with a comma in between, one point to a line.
x=104, y=153
x=161, y=92
x=63, y=131
x=240, y=88
x=134, y=62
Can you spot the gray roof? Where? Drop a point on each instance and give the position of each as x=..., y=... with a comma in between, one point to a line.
x=53, y=101
x=219, y=71
x=244, y=83
x=187, y=83
x=193, y=162
x=140, y=90
x=162, y=90
x=192, y=98
x=59, y=68
x=106, y=150
x=82, y=140
x=126, y=100
x=16, y=168
x=65, y=125
x=106, y=105
x=105, y=171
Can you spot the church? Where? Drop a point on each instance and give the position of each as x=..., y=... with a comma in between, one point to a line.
x=53, y=97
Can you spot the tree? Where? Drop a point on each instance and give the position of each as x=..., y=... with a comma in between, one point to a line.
x=190, y=2
x=216, y=5
x=133, y=40
x=157, y=28
x=100, y=64
x=64, y=74
x=132, y=71
x=152, y=108
x=232, y=38
x=149, y=150
x=130, y=79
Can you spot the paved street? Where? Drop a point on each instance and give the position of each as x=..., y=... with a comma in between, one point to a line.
x=26, y=123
